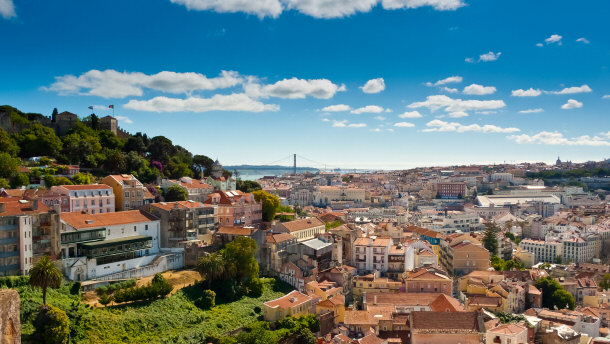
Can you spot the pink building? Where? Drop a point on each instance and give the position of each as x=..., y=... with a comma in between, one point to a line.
x=236, y=208
x=91, y=199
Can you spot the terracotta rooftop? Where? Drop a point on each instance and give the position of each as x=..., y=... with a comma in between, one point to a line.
x=508, y=329
x=294, y=298
x=125, y=179
x=14, y=206
x=298, y=225
x=280, y=237
x=82, y=221
x=86, y=187
x=402, y=299
x=463, y=322
x=444, y=303
x=181, y=204
x=236, y=230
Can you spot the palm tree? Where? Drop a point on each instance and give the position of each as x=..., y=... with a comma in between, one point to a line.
x=44, y=274
x=211, y=267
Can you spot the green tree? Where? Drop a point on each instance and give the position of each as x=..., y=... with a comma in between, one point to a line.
x=81, y=179
x=52, y=326
x=554, y=295
x=203, y=164
x=8, y=144
x=135, y=144
x=114, y=161
x=161, y=149
x=37, y=140
x=105, y=299
x=8, y=165
x=604, y=284
x=211, y=267
x=4, y=183
x=270, y=203
x=20, y=179
x=558, y=259
x=490, y=240
x=239, y=257
x=45, y=275
x=258, y=333
x=247, y=185
x=176, y=193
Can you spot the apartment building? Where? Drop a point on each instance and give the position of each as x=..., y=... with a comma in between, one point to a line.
x=544, y=251
x=182, y=222
x=326, y=195
x=90, y=199
x=129, y=192
x=236, y=208
x=26, y=234
x=372, y=253
x=428, y=280
x=450, y=189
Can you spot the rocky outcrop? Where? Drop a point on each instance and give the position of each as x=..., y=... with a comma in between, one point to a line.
x=10, y=325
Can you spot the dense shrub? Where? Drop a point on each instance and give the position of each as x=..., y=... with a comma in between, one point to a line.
x=159, y=287
x=75, y=288
x=52, y=326
x=112, y=288
x=207, y=301
x=14, y=281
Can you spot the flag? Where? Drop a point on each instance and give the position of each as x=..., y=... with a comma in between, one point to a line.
x=111, y=106
x=90, y=107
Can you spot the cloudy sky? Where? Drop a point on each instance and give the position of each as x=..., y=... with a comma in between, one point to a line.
x=349, y=83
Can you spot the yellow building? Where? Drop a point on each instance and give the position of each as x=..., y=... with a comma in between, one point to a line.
x=335, y=304
x=293, y=304
x=129, y=193
x=374, y=284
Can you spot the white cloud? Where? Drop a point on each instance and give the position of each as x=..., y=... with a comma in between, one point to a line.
x=380, y=118
x=373, y=86
x=606, y=134
x=469, y=60
x=607, y=96
x=526, y=93
x=486, y=112
x=439, y=5
x=404, y=125
x=124, y=119
x=583, y=40
x=7, y=9
x=390, y=130
x=325, y=120
x=553, y=39
x=555, y=138
x=368, y=109
x=295, y=88
x=219, y=102
x=113, y=84
x=337, y=108
x=539, y=44
x=339, y=124
x=449, y=80
x=571, y=104
x=356, y=125
x=260, y=8
x=532, y=110
x=490, y=56
x=410, y=114
x=315, y=8
x=449, y=89
x=458, y=114
x=442, y=126
x=574, y=90
x=457, y=107
x=479, y=90
x=376, y=130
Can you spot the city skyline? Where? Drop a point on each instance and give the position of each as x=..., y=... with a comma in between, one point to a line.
x=371, y=84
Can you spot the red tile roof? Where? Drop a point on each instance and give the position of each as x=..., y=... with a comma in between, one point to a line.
x=86, y=187
x=462, y=322
x=82, y=221
x=14, y=206
x=294, y=298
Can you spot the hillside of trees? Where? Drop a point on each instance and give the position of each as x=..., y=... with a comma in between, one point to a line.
x=97, y=151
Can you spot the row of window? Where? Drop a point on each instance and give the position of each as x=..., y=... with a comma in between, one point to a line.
x=77, y=203
x=10, y=261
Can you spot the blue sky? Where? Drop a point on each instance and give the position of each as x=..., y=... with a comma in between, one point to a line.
x=411, y=82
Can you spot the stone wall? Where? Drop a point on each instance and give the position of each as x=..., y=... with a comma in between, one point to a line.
x=10, y=325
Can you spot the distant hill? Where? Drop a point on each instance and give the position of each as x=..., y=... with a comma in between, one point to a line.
x=253, y=172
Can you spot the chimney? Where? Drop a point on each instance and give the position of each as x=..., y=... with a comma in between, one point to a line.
x=34, y=204
x=2, y=207
x=375, y=300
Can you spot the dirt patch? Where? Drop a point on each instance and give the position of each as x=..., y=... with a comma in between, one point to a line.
x=177, y=278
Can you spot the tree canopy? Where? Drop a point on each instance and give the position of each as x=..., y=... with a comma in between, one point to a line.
x=554, y=295
x=270, y=203
x=490, y=240
x=176, y=193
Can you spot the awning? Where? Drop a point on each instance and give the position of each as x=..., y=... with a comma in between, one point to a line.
x=117, y=241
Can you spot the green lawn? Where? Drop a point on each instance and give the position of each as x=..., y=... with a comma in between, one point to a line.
x=171, y=320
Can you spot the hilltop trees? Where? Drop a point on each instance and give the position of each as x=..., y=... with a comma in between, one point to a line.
x=176, y=193
x=37, y=140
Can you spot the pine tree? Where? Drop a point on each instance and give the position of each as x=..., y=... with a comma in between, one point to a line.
x=490, y=240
